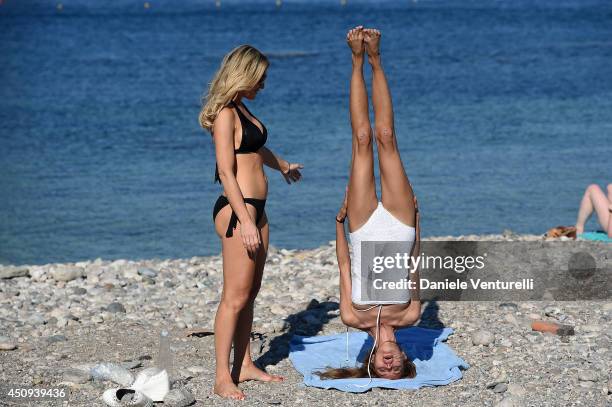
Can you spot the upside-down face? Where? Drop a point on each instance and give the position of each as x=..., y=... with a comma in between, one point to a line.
x=388, y=361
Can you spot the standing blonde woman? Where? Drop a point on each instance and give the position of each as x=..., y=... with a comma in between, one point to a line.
x=239, y=215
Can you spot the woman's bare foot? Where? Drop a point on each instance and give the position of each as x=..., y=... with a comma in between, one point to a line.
x=252, y=372
x=354, y=38
x=371, y=37
x=228, y=390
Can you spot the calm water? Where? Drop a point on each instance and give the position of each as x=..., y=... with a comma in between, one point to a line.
x=503, y=114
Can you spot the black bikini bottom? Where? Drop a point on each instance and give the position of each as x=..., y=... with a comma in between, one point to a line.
x=259, y=205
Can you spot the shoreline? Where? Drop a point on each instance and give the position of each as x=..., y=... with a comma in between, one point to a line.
x=509, y=236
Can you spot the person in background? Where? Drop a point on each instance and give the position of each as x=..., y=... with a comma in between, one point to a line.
x=595, y=200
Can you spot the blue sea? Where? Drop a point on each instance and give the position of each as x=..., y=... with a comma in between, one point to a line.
x=503, y=114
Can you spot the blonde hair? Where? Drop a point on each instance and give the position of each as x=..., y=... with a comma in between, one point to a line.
x=241, y=70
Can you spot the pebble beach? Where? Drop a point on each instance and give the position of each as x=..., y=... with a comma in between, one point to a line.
x=59, y=321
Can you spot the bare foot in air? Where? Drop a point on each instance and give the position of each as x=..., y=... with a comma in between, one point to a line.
x=372, y=41
x=354, y=38
x=252, y=372
x=228, y=390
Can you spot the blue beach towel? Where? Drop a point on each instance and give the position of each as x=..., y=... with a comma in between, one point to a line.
x=598, y=236
x=436, y=363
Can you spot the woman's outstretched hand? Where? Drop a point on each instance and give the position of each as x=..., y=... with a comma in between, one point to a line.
x=292, y=173
x=342, y=211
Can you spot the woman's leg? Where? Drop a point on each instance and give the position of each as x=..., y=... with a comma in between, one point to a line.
x=238, y=282
x=243, y=367
x=609, y=229
x=361, y=197
x=594, y=200
x=397, y=195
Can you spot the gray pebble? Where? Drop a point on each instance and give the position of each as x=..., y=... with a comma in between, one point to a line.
x=587, y=376
x=552, y=310
x=500, y=388
x=482, y=337
x=36, y=319
x=196, y=369
x=508, y=306
x=7, y=345
x=13, y=271
x=56, y=338
x=516, y=390
x=147, y=272
x=115, y=307
x=66, y=273
x=501, y=378
x=76, y=376
x=179, y=398
x=508, y=402
x=79, y=291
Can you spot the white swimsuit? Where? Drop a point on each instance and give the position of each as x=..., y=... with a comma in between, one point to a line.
x=381, y=226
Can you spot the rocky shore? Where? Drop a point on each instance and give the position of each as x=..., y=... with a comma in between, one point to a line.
x=58, y=321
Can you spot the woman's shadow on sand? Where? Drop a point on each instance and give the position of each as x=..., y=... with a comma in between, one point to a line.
x=310, y=322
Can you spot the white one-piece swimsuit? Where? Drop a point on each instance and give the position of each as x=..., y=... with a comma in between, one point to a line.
x=381, y=226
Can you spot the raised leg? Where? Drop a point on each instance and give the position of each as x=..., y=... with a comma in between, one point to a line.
x=594, y=199
x=397, y=195
x=361, y=197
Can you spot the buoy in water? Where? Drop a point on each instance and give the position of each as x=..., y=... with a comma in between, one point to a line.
x=60, y=6
x=146, y=4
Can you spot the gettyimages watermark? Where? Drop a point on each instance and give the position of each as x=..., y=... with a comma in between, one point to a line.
x=485, y=271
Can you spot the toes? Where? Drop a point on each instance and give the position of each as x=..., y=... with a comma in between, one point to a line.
x=237, y=396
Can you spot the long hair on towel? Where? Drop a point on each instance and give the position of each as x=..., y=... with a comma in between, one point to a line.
x=408, y=372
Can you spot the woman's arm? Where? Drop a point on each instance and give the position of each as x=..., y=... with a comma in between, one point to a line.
x=289, y=170
x=344, y=265
x=415, y=253
x=273, y=161
x=347, y=313
x=223, y=133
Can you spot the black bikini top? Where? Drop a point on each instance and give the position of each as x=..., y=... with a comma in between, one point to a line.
x=252, y=138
